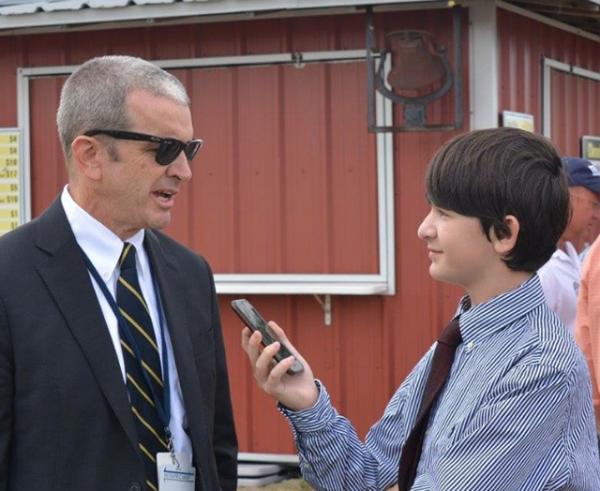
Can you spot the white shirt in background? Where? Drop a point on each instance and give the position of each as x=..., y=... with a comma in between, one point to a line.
x=560, y=278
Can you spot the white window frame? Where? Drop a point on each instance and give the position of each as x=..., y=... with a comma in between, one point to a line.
x=549, y=65
x=383, y=282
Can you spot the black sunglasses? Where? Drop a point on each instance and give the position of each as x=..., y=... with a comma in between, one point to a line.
x=168, y=148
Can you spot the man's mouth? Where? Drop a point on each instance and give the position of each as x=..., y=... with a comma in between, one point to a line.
x=165, y=195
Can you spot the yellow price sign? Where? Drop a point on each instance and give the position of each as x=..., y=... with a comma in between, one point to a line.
x=10, y=214
x=6, y=173
x=9, y=151
x=10, y=199
x=9, y=139
x=8, y=226
x=10, y=189
x=6, y=187
x=9, y=162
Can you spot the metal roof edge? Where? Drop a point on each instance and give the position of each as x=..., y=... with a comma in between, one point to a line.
x=174, y=9
x=548, y=21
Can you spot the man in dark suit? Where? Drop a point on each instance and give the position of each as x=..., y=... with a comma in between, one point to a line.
x=102, y=375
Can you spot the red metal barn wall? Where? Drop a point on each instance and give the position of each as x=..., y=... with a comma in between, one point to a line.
x=573, y=101
x=262, y=170
x=523, y=43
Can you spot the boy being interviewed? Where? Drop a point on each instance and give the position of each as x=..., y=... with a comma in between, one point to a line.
x=502, y=400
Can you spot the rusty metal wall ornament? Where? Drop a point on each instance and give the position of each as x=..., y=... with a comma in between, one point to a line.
x=430, y=76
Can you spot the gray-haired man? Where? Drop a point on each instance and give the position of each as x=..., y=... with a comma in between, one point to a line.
x=111, y=353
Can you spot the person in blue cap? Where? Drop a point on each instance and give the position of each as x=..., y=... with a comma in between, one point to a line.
x=560, y=276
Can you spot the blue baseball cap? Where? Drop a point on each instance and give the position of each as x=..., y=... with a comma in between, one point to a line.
x=582, y=172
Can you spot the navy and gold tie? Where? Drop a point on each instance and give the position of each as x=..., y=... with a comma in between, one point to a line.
x=133, y=307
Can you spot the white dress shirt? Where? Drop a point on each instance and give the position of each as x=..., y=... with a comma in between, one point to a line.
x=560, y=278
x=103, y=248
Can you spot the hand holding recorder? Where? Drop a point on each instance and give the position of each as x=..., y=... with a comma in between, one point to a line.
x=278, y=368
x=250, y=316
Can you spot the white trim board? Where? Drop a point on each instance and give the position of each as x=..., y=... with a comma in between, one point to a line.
x=320, y=284
x=483, y=66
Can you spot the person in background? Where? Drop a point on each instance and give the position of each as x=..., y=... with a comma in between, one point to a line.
x=502, y=402
x=112, y=364
x=560, y=276
x=587, y=324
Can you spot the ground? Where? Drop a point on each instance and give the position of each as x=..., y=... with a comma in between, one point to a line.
x=288, y=485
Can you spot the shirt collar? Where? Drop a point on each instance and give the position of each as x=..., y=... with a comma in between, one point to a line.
x=571, y=252
x=99, y=243
x=489, y=317
x=567, y=255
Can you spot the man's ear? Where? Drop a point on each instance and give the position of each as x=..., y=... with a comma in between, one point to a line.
x=503, y=245
x=87, y=156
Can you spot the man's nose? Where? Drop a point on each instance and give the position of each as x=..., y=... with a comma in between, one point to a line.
x=180, y=168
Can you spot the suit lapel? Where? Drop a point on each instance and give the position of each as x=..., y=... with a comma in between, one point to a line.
x=172, y=294
x=68, y=281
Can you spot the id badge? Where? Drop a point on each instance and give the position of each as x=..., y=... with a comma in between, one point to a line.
x=175, y=472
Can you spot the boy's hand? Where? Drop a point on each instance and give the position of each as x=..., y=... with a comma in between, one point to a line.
x=296, y=392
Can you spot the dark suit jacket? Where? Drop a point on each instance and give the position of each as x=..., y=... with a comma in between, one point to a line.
x=65, y=419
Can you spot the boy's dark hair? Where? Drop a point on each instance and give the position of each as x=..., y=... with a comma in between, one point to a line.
x=489, y=174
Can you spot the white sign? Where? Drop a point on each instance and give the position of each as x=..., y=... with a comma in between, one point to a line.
x=590, y=149
x=523, y=121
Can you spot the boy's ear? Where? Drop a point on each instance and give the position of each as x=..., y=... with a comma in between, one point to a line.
x=503, y=245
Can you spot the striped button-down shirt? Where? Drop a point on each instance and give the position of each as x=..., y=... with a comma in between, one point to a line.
x=515, y=414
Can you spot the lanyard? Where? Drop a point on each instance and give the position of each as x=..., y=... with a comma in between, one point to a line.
x=162, y=407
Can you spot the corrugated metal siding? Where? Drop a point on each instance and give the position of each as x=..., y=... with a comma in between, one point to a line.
x=523, y=43
x=46, y=177
x=574, y=100
x=574, y=111
x=373, y=341
x=292, y=190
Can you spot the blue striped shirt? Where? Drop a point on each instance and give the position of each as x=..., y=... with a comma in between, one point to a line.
x=515, y=414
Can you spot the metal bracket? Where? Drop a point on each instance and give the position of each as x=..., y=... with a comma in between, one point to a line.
x=298, y=59
x=325, y=304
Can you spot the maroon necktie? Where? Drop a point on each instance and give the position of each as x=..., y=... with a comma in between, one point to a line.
x=443, y=356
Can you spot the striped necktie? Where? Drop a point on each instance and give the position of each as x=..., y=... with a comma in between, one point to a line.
x=441, y=362
x=133, y=307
